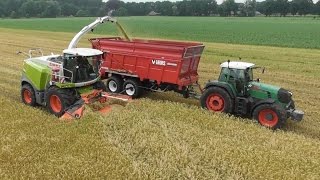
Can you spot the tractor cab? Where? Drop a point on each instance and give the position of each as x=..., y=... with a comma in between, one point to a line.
x=81, y=64
x=238, y=75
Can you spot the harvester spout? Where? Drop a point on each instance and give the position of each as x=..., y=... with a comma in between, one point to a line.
x=90, y=27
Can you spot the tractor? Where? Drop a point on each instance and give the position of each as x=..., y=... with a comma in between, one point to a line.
x=236, y=92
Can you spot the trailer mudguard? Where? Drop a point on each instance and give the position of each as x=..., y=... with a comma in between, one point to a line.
x=222, y=85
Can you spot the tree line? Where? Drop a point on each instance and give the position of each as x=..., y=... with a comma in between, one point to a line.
x=83, y=8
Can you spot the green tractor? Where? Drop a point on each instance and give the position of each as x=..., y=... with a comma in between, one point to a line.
x=58, y=82
x=236, y=92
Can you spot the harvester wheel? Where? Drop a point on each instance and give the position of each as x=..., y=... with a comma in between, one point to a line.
x=132, y=88
x=270, y=116
x=28, y=95
x=58, y=100
x=100, y=86
x=217, y=99
x=115, y=84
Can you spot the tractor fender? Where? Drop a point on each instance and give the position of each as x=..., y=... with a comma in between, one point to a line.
x=258, y=103
x=220, y=85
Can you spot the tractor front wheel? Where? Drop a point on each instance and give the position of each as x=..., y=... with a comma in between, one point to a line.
x=217, y=99
x=28, y=95
x=58, y=100
x=270, y=116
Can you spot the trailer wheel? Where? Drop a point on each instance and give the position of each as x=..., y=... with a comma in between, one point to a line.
x=132, y=88
x=115, y=84
x=28, y=95
x=58, y=100
x=270, y=116
x=217, y=99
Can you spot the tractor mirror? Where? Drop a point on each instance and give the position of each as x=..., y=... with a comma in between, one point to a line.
x=263, y=69
x=258, y=79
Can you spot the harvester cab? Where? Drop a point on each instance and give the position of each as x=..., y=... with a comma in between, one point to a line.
x=237, y=92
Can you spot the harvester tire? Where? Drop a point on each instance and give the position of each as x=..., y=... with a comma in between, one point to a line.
x=114, y=84
x=217, y=99
x=100, y=86
x=28, y=95
x=132, y=88
x=270, y=116
x=58, y=100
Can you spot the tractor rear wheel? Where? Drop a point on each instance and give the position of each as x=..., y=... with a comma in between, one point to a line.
x=270, y=116
x=132, y=88
x=114, y=84
x=58, y=100
x=217, y=99
x=28, y=95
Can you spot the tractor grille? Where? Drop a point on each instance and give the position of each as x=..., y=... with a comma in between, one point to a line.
x=284, y=96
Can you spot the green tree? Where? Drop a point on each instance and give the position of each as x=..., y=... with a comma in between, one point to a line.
x=52, y=9
x=228, y=8
x=317, y=8
x=113, y=5
x=283, y=7
x=304, y=7
x=248, y=8
x=121, y=12
x=68, y=9
x=82, y=13
x=14, y=15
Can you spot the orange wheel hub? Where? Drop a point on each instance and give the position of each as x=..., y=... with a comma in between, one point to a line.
x=215, y=102
x=268, y=117
x=27, y=96
x=55, y=103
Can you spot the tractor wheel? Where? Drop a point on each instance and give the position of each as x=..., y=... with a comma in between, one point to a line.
x=28, y=95
x=100, y=86
x=58, y=100
x=132, y=88
x=115, y=84
x=217, y=99
x=270, y=116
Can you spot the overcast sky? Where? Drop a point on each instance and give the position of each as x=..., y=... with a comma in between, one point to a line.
x=219, y=1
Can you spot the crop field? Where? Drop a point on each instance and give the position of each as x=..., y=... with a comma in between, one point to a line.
x=163, y=135
x=300, y=32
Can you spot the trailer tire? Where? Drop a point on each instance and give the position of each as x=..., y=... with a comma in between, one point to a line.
x=270, y=116
x=132, y=88
x=217, y=99
x=114, y=84
x=58, y=100
x=28, y=95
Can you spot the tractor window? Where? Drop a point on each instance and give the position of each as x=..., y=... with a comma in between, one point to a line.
x=249, y=75
x=224, y=74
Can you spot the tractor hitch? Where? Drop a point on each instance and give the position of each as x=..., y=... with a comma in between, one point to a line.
x=295, y=114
